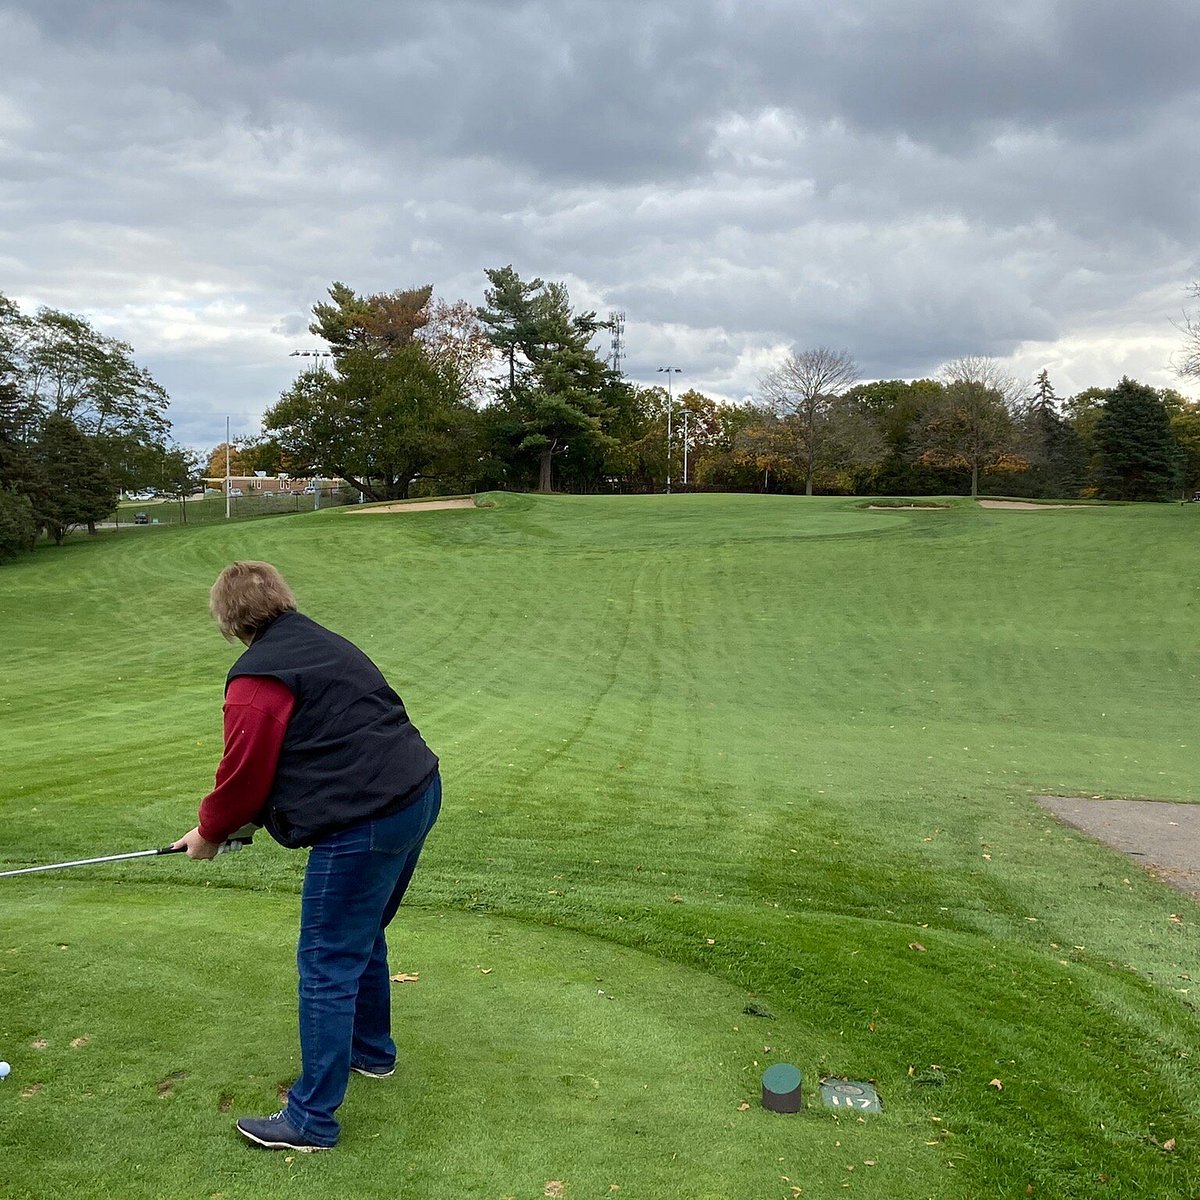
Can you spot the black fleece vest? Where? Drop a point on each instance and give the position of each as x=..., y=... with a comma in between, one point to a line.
x=350, y=752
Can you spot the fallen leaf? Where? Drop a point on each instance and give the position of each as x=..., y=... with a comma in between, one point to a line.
x=402, y=978
x=486, y=970
x=916, y=946
x=555, y=1187
x=743, y=1106
x=997, y=1085
x=1169, y=1144
x=868, y=1162
x=676, y=899
x=711, y=941
x=80, y=1042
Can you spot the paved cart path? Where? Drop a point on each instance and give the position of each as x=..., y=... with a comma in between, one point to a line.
x=1162, y=837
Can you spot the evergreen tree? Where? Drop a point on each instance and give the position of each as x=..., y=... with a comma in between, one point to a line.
x=559, y=393
x=18, y=529
x=382, y=322
x=1139, y=458
x=78, y=487
x=510, y=316
x=1058, y=459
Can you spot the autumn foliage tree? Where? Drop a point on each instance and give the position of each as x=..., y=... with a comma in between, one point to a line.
x=393, y=408
x=970, y=426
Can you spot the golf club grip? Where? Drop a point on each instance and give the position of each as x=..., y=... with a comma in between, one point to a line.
x=172, y=850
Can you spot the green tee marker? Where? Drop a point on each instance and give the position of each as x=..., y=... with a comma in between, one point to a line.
x=781, y=1088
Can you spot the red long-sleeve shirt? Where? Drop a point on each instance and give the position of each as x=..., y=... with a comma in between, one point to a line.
x=257, y=711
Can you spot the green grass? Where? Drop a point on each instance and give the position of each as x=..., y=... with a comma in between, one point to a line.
x=701, y=753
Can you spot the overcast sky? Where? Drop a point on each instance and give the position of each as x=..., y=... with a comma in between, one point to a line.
x=910, y=180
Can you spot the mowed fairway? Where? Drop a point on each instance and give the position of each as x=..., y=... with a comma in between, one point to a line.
x=702, y=755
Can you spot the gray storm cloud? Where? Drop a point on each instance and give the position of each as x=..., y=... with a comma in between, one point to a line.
x=913, y=181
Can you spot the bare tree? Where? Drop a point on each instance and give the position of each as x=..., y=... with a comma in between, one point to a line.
x=1189, y=366
x=972, y=425
x=805, y=390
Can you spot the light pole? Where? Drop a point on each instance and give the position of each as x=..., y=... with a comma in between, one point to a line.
x=317, y=354
x=669, y=371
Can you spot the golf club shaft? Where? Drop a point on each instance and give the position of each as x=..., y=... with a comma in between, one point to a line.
x=235, y=841
x=87, y=862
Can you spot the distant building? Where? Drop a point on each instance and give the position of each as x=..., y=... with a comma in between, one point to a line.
x=276, y=485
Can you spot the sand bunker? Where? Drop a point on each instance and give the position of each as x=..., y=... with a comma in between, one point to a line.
x=407, y=506
x=1020, y=504
x=908, y=507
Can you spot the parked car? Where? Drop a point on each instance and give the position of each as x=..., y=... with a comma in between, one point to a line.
x=310, y=490
x=268, y=493
x=235, y=491
x=141, y=518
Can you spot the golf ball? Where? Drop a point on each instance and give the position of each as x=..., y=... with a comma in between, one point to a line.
x=4, y=1069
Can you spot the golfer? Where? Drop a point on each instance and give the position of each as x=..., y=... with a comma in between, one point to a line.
x=320, y=750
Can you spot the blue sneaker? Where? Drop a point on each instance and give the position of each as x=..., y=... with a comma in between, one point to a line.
x=374, y=1072
x=276, y=1132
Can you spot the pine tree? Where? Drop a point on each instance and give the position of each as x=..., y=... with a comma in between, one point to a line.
x=559, y=392
x=1057, y=454
x=1139, y=457
x=510, y=315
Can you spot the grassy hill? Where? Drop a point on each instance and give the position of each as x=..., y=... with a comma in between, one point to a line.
x=702, y=755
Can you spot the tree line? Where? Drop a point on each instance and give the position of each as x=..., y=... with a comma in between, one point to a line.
x=80, y=422
x=426, y=396
x=421, y=395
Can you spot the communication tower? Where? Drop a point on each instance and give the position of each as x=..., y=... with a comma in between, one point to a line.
x=616, y=323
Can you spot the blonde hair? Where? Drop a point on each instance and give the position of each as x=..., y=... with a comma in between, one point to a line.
x=246, y=596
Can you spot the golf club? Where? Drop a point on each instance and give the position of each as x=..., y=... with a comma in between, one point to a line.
x=235, y=841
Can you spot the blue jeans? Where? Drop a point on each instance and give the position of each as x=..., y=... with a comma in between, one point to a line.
x=353, y=885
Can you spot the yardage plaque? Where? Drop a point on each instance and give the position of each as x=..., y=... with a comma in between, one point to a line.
x=850, y=1093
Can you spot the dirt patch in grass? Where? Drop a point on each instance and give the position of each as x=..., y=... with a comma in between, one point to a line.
x=166, y=1087
x=407, y=506
x=908, y=507
x=1162, y=837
